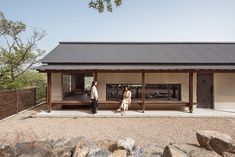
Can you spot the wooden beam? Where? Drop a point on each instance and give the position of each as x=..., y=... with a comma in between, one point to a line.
x=191, y=92
x=143, y=91
x=49, y=91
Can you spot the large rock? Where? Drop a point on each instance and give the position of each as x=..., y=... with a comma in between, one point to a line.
x=5, y=150
x=36, y=148
x=107, y=145
x=221, y=145
x=126, y=143
x=217, y=141
x=42, y=148
x=94, y=151
x=203, y=153
x=60, y=152
x=119, y=153
x=172, y=151
x=113, y=147
x=100, y=153
x=195, y=151
x=153, y=150
x=67, y=142
x=80, y=151
x=137, y=151
x=227, y=154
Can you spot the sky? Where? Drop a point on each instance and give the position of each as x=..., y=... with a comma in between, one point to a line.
x=134, y=20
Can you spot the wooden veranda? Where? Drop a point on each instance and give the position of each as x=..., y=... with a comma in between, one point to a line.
x=141, y=102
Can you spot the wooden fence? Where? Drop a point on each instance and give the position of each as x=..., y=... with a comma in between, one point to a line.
x=14, y=101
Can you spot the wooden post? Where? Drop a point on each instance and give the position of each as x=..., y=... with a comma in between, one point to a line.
x=35, y=96
x=143, y=92
x=49, y=91
x=191, y=92
x=17, y=100
x=95, y=76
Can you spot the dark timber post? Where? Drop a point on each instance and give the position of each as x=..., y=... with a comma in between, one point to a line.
x=95, y=76
x=143, y=92
x=191, y=92
x=49, y=91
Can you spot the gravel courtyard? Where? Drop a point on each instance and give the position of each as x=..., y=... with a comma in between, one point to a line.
x=159, y=131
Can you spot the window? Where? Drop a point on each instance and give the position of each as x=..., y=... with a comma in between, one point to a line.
x=174, y=92
x=115, y=91
x=163, y=91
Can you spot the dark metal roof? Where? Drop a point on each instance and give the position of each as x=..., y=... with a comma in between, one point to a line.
x=140, y=52
x=135, y=67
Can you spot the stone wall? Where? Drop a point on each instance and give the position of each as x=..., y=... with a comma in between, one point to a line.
x=14, y=101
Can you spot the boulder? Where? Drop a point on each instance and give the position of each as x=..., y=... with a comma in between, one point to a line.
x=172, y=151
x=92, y=150
x=80, y=151
x=60, y=151
x=217, y=141
x=67, y=142
x=137, y=151
x=100, y=153
x=35, y=148
x=196, y=151
x=41, y=148
x=221, y=145
x=126, y=143
x=107, y=145
x=204, y=138
x=113, y=147
x=5, y=150
x=203, y=153
x=119, y=153
x=153, y=150
x=227, y=154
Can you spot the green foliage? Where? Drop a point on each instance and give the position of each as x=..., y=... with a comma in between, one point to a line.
x=100, y=5
x=37, y=80
x=27, y=80
x=17, y=55
x=30, y=79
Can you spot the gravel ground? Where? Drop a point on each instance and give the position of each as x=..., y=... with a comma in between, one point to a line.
x=159, y=131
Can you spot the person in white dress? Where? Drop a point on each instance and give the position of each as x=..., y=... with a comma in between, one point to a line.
x=126, y=100
x=94, y=97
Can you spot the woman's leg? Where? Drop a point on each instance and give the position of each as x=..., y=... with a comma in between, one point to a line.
x=93, y=106
x=121, y=106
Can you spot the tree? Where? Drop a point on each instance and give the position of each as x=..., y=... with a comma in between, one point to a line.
x=17, y=55
x=100, y=5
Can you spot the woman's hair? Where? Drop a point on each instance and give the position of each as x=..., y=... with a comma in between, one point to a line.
x=93, y=83
x=126, y=87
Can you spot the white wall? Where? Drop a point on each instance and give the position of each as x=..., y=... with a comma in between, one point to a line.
x=224, y=91
x=109, y=78
x=56, y=89
x=177, y=78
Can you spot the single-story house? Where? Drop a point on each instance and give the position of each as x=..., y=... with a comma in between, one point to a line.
x=189, y=74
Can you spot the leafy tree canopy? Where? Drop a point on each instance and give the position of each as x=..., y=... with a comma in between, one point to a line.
x=17, y=55
x=101, y=5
